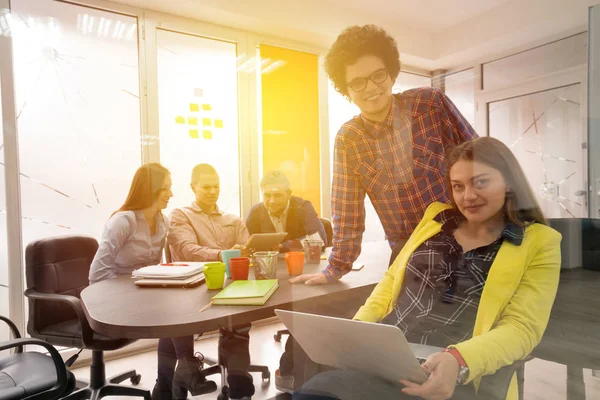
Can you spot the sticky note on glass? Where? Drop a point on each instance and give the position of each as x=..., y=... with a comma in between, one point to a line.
x=179, y=120
x=206, y=107
x=192, y=121
x=194, y=133
x=218, y=123
x=206, y=122
x=207, y=134
x=194, y=107
x=198, y=92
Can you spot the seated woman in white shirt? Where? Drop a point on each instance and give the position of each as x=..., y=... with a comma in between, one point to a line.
x=134, y=237
x=136, y=233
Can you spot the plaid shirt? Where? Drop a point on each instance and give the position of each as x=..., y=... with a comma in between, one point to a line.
x=443, y=286
x=398, y=163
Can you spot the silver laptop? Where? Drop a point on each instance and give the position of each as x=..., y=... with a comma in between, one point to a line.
x=377, y=349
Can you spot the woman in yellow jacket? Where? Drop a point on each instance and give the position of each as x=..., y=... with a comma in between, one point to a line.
x=477, y=278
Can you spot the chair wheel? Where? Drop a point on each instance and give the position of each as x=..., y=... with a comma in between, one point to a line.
x=266, y=376
x=277, y=337
x=224, y=395
x=135, y=380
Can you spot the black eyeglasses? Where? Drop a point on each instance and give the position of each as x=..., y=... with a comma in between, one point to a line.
x=360, y=84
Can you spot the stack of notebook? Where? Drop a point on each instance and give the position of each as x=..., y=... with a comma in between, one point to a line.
x=246, y=293
x=184, y=274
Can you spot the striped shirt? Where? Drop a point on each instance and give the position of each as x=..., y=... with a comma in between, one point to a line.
x=398, y=163
x=438, y=303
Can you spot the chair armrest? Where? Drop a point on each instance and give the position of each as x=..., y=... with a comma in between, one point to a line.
x=86, y=331
x=493, y=387
x=61, y=371
x=15, y=331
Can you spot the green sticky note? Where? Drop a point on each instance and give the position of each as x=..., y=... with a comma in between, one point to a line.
x=206, y=107
x=207, y=134
x=218, y=123
x=192, y=121
x=194, y=133
x=194, y=107
x=206, y=122
x=179, y=120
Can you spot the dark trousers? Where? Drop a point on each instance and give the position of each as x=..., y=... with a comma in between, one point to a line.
x=234, y=351
x=356, y=385
x=169, y=351
x=180, y=347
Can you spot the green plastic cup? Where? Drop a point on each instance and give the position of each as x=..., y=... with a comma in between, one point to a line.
x=214, y=273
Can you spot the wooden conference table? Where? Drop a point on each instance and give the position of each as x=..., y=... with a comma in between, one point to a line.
x=118, y=308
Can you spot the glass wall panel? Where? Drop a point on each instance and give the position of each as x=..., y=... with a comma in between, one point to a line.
x=552, y=57
x=460, y=88
x=544, y=130
x=78, y=110
x=4, y=332
x=198, y=113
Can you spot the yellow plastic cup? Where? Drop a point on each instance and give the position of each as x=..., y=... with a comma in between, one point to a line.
x=214, y=273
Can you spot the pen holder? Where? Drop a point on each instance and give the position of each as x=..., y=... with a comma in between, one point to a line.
x=264, y=264
x=312, y=251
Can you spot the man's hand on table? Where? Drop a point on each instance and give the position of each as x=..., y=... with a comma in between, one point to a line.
x=311, y=279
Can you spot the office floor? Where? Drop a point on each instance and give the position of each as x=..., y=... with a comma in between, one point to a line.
x=543, y=380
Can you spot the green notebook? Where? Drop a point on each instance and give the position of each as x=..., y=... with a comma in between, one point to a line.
x=246, y=293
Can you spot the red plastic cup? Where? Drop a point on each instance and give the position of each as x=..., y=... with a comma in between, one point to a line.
x=239, y=268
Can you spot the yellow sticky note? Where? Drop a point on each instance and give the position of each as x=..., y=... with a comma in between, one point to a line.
x=179, y=120
x=194, y=107
x=206, y=107
x=206, y=122
x=207, y=134
x=192, y=121
x=194, y=133
x=218, y=123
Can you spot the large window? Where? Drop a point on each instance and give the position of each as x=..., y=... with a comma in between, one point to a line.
x=552, y=57
x=198, y=113
x=78, y=110
x=460, y=88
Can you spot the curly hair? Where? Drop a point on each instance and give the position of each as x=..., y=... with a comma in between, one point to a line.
x=355, y=42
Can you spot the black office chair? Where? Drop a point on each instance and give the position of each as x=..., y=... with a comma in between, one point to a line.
x=328, y=231
x=57, y=271
x=32, y=375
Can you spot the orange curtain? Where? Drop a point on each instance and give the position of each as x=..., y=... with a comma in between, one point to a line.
x=290, y=119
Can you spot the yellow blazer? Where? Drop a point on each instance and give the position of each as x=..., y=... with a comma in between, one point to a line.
x=515, y=304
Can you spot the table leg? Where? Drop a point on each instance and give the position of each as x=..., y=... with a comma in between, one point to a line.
x=575, y=383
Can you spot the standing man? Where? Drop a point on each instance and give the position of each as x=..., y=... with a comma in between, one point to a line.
x=282, y=212
x=393, y=151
